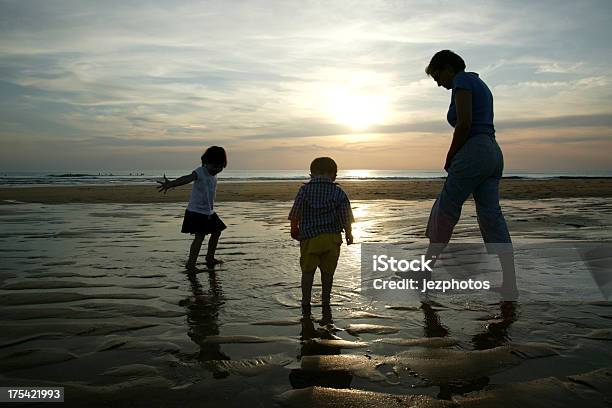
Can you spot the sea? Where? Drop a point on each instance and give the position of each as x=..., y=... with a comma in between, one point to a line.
x=129, y=177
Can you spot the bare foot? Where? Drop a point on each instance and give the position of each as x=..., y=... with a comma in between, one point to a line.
x=510, y=294
x=211, y=262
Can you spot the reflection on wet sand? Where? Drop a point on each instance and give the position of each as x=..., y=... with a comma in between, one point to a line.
x=301, y=378
x=432, y=327
x=98, y=303
x=455, y=372
x=203, y=319
x=495, y=335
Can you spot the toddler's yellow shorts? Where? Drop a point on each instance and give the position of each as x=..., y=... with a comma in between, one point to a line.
x=321, y=251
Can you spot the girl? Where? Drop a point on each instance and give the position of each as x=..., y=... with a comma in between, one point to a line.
x=200, y=218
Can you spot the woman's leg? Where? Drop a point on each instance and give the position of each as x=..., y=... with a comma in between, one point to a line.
x=495, y=233
x=444, y=215
x=491, y=220
x=462, y=179
x=493, y=226
x=474, y=163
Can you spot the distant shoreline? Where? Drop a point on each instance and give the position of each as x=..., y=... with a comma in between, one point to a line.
x=77, y=175
x=85, y=180
x=511, y=189
x=12, y=179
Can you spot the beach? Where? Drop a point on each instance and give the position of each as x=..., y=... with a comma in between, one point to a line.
x=95, y=299
x=518, y=189
x=373, y=220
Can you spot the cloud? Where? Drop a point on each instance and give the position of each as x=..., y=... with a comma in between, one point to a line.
x=161, y=74
x=596, y=120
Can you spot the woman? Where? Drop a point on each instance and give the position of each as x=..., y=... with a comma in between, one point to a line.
x=474, y=164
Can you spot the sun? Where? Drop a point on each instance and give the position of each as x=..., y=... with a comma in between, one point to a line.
x=357, y=104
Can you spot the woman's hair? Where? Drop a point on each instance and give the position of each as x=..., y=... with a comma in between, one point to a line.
x=445, y=58
x=215, y=155
x=323, y=165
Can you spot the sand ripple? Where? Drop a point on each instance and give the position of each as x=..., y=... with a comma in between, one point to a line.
x=95, y=298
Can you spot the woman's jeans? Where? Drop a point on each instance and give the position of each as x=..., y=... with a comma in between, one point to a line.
x=476, y=169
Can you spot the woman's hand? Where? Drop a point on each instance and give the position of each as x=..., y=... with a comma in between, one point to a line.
x=448, y=162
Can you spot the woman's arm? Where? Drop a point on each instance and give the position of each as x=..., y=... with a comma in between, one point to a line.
x=167, y=184
x=463, y=105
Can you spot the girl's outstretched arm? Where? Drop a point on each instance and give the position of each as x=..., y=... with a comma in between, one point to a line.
x=167, y=184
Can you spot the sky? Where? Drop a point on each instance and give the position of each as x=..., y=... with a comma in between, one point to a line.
x=128, y=85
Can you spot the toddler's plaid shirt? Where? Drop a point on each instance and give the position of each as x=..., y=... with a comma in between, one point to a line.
x=321, y=206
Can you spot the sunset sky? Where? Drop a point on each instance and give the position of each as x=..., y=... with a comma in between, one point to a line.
x=105, y=85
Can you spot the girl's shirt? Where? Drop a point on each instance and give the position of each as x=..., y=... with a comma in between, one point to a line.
x=203, y=192
x=482, y=103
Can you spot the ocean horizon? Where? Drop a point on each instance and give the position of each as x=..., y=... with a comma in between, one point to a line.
x=131, y=177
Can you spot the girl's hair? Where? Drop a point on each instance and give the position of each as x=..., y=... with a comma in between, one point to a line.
x=215, y=155
x=445, y=58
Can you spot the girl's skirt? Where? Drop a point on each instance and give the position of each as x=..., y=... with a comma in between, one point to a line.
x=198, y=223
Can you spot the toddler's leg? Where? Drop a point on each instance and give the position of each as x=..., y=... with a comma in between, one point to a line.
x=307, y=279
x=194, y=251
x=329, y=261
x=326, y=315
x=308, y=264
x=212, y=248
x=327, y=280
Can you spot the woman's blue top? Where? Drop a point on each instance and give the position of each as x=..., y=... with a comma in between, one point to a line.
x=482, y=103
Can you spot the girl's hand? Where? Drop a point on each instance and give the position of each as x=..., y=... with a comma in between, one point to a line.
x=164, y=186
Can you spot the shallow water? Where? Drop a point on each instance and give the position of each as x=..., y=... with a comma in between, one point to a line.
x=94, y=298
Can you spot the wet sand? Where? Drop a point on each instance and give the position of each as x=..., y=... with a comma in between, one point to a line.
x=521, y=189
x=94, y=298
